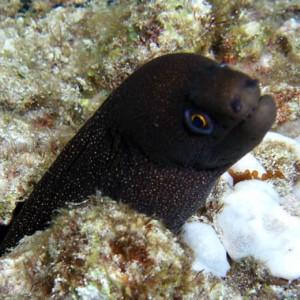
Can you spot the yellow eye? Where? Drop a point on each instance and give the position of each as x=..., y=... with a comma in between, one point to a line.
x=199, y=120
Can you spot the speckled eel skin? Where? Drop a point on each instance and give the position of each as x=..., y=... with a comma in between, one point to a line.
x=159, y=143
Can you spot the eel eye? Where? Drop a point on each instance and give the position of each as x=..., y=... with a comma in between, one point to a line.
x=198, y=122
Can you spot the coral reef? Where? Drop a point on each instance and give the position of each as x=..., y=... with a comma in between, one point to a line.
x=55, y=56
x=100, y=249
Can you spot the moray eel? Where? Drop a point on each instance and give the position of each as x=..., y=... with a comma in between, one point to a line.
x=159, y=143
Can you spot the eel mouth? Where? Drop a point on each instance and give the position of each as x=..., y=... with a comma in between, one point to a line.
x=249, y=115
x=261, y=117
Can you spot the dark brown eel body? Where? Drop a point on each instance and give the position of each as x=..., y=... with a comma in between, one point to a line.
x=159, y=143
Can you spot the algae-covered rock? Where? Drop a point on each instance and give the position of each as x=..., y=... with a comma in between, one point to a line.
x=99, y=250
x=59, y=60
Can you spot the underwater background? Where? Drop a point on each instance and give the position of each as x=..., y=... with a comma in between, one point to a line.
x=59, y=60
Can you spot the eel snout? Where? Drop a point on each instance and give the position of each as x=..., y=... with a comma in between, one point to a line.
x=262, y=116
